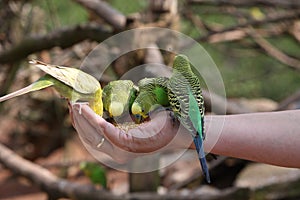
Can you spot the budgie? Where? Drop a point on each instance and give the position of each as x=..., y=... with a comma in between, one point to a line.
x=118, y=97
x=152, y=95
x=186, y=101
x=71, y=83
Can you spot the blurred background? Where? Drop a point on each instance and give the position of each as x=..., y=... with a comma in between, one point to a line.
x=254, y=43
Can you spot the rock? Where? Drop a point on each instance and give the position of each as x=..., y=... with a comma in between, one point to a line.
x=177, y=167
x=270, y=182
x=259, y=105
x=258, y=175
x=207, y=190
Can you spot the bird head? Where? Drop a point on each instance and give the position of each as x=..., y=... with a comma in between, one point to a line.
x=116, y=109
x=180, y=61
x=138, y=110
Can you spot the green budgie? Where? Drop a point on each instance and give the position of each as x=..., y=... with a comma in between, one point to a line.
x=187, y=103
x=118, y=97
x=152, y=95
x=94, y=172
x=71, y=83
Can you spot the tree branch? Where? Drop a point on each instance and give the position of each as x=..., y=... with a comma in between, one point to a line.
x=54, y=186
x=197, y=173
x=236, y=32
x=295, y=30
x=273, y=51
x=219, y=101
x=106, y=12
x=214, y=36
x=61, y=188
x=269, y=19
x=63, y=38
x=155, y=61
x=283, y=105
x=250, y=3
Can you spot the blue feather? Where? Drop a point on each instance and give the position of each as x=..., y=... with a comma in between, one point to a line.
x=201, y=155
x=197, y=121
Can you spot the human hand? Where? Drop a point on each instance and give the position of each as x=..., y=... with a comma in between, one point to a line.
x=232, y=135
x=160, y=133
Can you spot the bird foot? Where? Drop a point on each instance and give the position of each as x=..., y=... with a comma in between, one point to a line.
x=173, y=118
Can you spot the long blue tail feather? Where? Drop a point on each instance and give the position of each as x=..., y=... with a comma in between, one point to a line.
x=201, y=155
x=198, y=124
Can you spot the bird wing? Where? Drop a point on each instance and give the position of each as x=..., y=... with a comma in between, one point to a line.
x=75, y=78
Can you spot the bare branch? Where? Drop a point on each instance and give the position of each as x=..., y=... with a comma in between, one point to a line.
x=196, y=20
x=273, y=51
x=269, y=19
x=63, y=38
x=54, y=186
x=225, y=33
x=196, y=174
x=236, y=32
x=289, y=100
x=61, y=188
x=153, y=55
x=155, y=62
x=231, y=106
x=295, y=30
x=106, y=12
x=250, y=3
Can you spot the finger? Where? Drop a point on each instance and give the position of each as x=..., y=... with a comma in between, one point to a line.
x=86, y=131
x=92, y=137
x=100, y=125
x=158, y=134
x=147, y=137
x=155, y=134
x=89, y=135
x=95, y=120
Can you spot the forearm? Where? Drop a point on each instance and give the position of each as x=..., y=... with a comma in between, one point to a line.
x=272, y=137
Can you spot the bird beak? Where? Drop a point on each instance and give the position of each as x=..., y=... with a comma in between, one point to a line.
x=138, y=118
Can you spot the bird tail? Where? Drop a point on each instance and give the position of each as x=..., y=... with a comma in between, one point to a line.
x=38, y=85
x=16, y=93
x=201, y=155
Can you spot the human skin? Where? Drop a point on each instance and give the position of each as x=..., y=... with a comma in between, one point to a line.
x=269, y=137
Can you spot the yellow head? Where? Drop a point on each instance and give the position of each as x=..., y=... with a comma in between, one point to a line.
x=136, y=109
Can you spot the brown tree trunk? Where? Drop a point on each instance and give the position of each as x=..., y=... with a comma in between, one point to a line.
x=162, y=12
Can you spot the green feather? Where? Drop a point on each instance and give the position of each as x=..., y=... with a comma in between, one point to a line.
x=152, y=95
x=186, y=101
x=194, y=114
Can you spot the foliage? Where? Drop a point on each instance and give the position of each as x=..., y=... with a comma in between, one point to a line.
x=95, y=172
x=62, y=13
x=246, y=70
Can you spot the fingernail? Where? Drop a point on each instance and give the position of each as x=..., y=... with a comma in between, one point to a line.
x=75, y=106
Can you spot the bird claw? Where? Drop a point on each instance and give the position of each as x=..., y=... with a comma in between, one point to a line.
x=159, y=109
x=173, y=118
x=80, y=105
